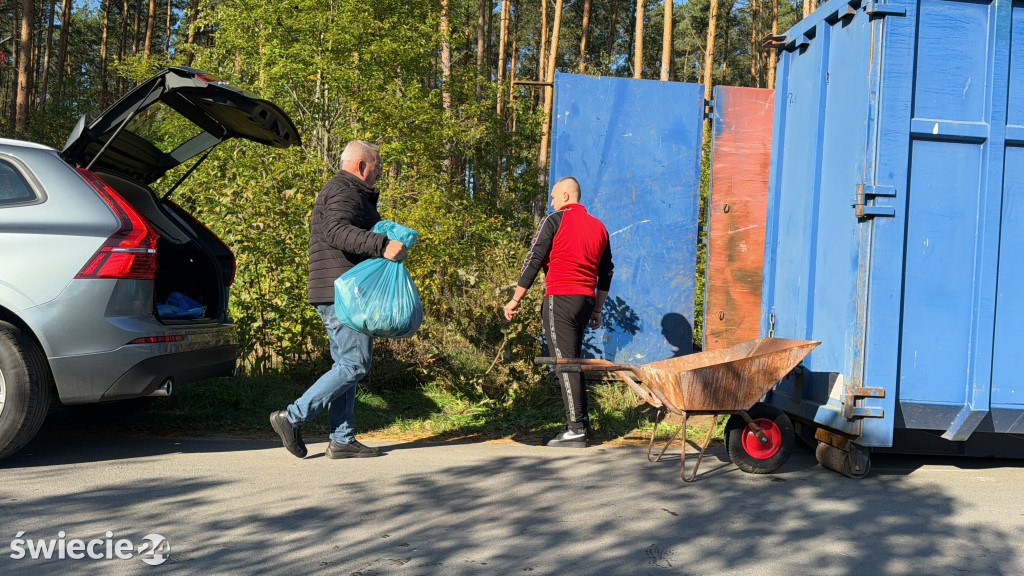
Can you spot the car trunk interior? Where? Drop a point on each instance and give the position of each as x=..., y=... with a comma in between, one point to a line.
x=191, y=260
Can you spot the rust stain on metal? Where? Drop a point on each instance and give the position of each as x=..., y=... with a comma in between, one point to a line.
x=739, y=196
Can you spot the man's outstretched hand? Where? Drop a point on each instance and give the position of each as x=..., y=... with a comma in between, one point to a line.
x=511, y=309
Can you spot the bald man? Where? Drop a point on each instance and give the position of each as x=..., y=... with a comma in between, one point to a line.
x=572, y=248
x=340, y=237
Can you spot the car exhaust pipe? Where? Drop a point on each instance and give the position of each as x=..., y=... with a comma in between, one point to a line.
x=164, y=389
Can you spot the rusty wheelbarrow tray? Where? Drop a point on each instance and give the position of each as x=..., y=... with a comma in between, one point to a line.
x=729, y=381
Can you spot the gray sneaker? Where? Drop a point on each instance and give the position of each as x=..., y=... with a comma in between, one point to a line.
x=291, y=435
x=354, y=449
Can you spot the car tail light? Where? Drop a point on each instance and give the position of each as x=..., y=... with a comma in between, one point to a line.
x=157, y=339
x=131, y=251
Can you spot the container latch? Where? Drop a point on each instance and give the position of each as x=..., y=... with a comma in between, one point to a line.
x=866, y=192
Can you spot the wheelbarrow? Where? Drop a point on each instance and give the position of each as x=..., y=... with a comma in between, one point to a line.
x=728, y=382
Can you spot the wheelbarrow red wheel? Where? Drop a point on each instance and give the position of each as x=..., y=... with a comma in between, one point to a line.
x=750, y=454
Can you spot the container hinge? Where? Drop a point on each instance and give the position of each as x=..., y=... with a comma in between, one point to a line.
x=852, y=411
x=709, y=110
x=876, y=10
x=866, y=192
x=771, y=325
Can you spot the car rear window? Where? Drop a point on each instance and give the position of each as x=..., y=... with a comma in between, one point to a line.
x=14, y=189
x=163, y=127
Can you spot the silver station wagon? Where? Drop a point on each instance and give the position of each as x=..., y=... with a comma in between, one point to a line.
x=109, y=291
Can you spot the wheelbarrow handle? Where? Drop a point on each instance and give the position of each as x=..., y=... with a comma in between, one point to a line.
x=588, y=364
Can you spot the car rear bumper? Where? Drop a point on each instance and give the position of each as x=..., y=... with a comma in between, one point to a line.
x=180, y=368
x=88, y=334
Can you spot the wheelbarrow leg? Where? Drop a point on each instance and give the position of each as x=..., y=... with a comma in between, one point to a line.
x=682, y=454
x=700, y=456
x=650, y=445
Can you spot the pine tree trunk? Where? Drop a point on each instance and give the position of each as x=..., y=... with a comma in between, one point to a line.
x=24, y=65
x=709, y=52
x=541, y=205
x=103, y=55
x=167, y=40
x=583, y=39
x=638, y=41
x=147, y=48
x=44, y=84
x=515, y=60
x=481, y=22
x=135, y=28
x=614, y=32
x=489, y=48
x=446, y=78
x=543, y=48
x=502, y=55
x=122, y=46
x=12, y=102
x=37, y=57
x=754, y=52
x=62, y=50
x=193, y=15
x=666, y=43
x=772, y=54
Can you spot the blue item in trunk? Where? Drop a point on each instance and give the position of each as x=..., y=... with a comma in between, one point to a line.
x=178, y=306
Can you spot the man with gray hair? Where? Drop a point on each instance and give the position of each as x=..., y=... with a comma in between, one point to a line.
x=340, y=237
x=572, y=247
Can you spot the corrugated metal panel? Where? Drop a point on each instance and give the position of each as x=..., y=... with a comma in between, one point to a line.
x=895, y=216
x=741, y=153
x=635, y=147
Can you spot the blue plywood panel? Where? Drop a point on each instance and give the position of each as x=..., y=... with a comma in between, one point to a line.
x=635, y=147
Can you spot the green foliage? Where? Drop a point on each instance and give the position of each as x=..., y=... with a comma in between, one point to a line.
x=262, y=213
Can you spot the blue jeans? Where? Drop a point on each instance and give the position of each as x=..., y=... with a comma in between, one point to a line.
x=336, y=390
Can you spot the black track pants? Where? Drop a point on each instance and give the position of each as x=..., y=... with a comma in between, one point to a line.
x=565, y=319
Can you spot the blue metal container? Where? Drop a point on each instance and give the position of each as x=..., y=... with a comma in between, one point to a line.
x=896, y=222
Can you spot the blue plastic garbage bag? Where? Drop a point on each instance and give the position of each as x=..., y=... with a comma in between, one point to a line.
x=377, y=296
x=179, y=306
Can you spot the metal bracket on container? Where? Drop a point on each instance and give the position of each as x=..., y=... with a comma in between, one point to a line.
x=773, y=41
x=867, y=192
x=852, y=411
x=876, y=10
x=709, y=110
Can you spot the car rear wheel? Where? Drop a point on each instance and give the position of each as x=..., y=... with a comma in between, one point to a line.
x=25, y=383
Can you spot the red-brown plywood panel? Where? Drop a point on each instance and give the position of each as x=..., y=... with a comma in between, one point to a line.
x=741, y=156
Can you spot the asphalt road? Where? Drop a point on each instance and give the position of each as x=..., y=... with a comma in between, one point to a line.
x=248, y=507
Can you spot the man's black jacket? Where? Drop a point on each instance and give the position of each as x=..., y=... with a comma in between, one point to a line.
x=340, y=236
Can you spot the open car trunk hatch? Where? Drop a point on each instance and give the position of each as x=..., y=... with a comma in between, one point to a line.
x=129, y=138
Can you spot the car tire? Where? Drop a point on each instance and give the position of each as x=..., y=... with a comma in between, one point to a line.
x=25, y=383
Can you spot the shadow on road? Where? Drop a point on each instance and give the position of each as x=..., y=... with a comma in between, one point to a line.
x=555, y=513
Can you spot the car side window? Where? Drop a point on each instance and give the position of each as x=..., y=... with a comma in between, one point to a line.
x=14, y=189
